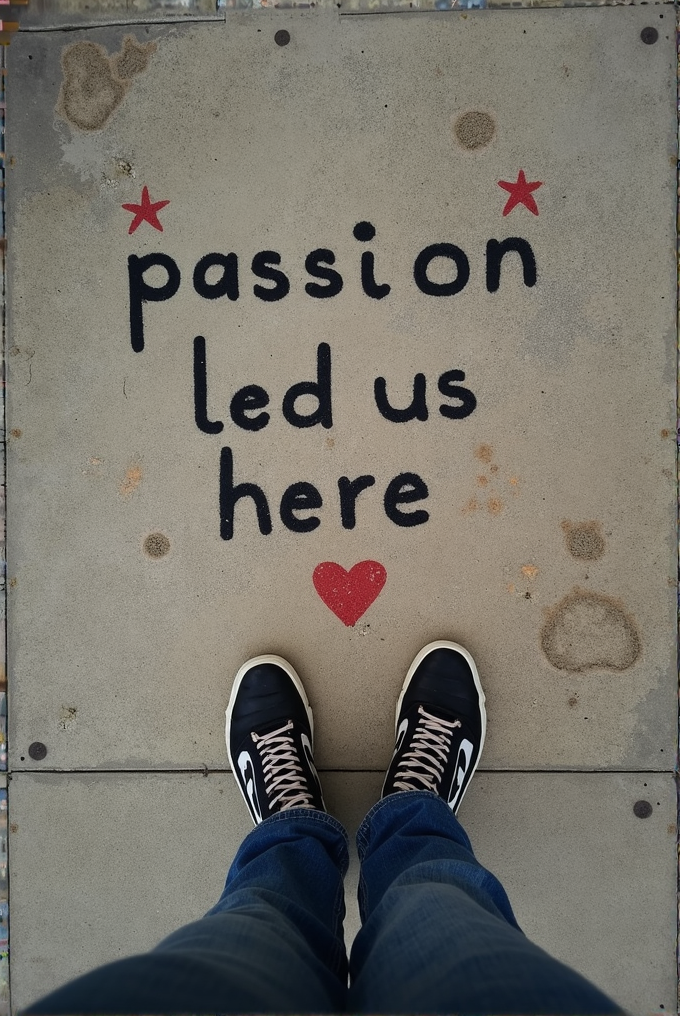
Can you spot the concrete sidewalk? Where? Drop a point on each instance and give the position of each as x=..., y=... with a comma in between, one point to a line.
x=330, y=335
x=114, y=862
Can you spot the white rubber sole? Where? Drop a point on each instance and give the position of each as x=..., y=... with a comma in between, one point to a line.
x=425, y=651
x=241, y=673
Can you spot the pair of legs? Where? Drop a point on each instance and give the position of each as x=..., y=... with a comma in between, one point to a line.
x=438, y=932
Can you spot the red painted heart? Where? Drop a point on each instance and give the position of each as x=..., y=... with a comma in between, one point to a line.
x=349, y=594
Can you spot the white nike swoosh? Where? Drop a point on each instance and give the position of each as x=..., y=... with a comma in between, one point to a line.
x=461, y=767
x=247, y=771
x=307, y=748
x=401, y=734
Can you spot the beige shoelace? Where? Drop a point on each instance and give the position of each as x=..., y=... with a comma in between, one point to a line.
x=284, y=777
x=429, y=751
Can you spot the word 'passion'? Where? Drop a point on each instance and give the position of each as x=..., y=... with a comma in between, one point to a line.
x=219, y=275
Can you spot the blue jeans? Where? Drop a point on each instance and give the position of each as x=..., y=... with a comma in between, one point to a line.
x=438, y=934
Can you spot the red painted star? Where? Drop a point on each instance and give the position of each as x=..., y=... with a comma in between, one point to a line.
x=146, y=212
x=520, y=193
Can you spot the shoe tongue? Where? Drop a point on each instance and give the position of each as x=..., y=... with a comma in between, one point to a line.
x=271, y=725
x=438, y=713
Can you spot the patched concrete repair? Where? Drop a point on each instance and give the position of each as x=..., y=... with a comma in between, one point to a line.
x=331, y=336
x=584, y=540
x=94, y=83
x=474, y=129
x=587, y=631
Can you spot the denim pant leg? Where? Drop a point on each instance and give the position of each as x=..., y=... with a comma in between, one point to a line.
x=273, y=943
x=439, y=934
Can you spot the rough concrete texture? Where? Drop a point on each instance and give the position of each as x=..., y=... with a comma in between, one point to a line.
x=117, y=861
x=276, y=190
x=409, y=124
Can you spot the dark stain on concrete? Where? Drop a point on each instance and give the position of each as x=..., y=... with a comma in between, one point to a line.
x=590, y=631
x=584, y=540
x=156, y=545
x=642, y=809
x=132, y=59
x=94, y=83
x=89, y=92
x=474, y=129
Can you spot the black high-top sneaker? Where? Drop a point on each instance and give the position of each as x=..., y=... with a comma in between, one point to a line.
x=270, y=733
x=440, y=725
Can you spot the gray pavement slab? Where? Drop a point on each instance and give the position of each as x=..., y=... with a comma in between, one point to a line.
x=543, y=427
x=520, y=139
x=104, y=865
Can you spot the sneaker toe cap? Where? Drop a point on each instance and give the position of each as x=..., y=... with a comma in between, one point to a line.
x=444, y=676
x=266, y=696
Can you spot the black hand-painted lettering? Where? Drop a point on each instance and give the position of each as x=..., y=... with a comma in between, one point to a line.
x=404, y=489
x=229, y=495
x=246, y=400
x=262, y=267
x=300, y=497
x=377, y=291
x=320, y=389
x=227, y=285
x=441, y=250
x=349, y=492
x=201, y=391
x=496, y=251
x=141, y=292
x=365, y=232
x=416, y=411
x=315, y=265
x=450, y=390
